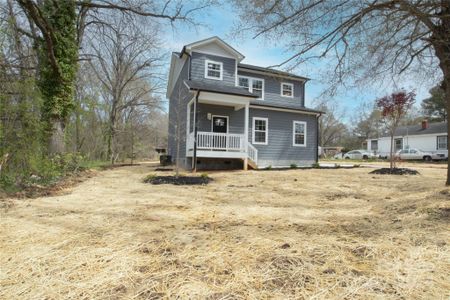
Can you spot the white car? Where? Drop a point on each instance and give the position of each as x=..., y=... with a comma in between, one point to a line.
x=414, y=154
x=359, y=154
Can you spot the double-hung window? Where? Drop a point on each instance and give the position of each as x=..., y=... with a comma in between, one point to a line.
x=213, y=70
x=260, y=131
x=442, y=142
x=287, y=90
x=299, y=133
x=254, y=85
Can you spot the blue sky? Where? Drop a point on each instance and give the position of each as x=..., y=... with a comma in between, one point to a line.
x=219, y=21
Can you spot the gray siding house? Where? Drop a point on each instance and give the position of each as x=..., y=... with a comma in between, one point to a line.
x=224, y=114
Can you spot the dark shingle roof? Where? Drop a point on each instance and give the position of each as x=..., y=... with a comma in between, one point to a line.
x=269, y=70
x=219, y=88
x=433, y=128
x=291, y=107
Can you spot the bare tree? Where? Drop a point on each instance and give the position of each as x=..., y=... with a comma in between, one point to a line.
x=331, y=127
x=126, y=61
x=366, y=39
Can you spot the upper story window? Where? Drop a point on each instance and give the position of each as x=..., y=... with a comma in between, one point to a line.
x=287, y=90
x=299, y=133
x=213, y=70
x=254, y=85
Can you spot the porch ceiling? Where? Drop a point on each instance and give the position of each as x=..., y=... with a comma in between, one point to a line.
x=223, y=99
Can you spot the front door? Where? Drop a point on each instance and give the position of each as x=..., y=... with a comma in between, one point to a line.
x=219, y=124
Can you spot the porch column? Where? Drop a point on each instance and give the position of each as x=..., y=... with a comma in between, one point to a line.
x=247, y=105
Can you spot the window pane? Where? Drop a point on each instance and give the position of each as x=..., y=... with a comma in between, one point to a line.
x=442, y=143
x=213, y=73
x=214, y=70
x=260, y=125
x=287, y=90
x=213, y=66
x=257, y=84
x=299, y=139
x=243, y=82
x=299, y=128
x=260, y=136
x=374, y=145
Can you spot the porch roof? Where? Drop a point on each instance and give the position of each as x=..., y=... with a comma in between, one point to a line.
x=219, y=88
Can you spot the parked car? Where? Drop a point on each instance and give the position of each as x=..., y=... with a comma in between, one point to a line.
x=359, y=154
x=414, y=154
x=443, y=155
x=339, y=155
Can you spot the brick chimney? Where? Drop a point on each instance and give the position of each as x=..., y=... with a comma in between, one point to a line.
x=425, y=124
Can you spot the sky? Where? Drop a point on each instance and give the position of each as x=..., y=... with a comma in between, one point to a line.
x=220, y=21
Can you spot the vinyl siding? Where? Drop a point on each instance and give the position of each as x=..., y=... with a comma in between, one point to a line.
x=279, y=151
x=235, y=118
x=177, y=116
x=272, y=91
x=198, y=68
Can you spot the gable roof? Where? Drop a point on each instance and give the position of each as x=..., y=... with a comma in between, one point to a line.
x=433, y=128
x=272, y=71
x=218, y=41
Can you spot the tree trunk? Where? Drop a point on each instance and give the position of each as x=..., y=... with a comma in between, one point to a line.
x=391, y=154
x=56, y=142
x=447, y=98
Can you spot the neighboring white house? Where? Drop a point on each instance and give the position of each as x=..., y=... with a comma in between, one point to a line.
x=430, y=137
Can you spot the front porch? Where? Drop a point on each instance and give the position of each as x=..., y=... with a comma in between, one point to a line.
x=217, y=127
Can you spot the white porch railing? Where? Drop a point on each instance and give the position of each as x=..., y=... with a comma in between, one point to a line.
x=220, y=141
x=228, y=142
x=252, y=153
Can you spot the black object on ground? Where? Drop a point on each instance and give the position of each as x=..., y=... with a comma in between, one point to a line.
x=180, y=180
x=395, y=171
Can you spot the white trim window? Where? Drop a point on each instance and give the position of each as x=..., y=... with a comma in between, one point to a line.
x=254, y=85
x=299, y=134
x=213, y=70
x=442, y=142
x=260, y=131
x=287, y=90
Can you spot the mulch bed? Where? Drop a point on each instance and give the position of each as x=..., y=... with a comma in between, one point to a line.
x=395, y=171
x=110, y=167
x=164, y=169
x=180, y=180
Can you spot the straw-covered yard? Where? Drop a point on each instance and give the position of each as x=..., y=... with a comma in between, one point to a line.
x=293, y=234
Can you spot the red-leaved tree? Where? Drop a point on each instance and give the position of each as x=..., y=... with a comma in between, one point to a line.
x=393, y=108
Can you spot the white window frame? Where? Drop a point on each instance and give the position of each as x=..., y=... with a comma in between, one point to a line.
x=213, y=62
x=437, y=142
x=293, y=134
x=253, y=130
x=219, y=116
x=282, y=87
x=250, y=84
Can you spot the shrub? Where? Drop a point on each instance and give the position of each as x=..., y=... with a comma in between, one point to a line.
x=149, y=178
x=269, y=167
x=315, y=165
x=293, y=166
x=204, y=175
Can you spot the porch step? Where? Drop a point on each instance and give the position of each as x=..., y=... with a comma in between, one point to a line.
x=252, y=164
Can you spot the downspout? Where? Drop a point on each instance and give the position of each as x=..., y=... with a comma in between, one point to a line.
x=317, y=137
x=194, y=165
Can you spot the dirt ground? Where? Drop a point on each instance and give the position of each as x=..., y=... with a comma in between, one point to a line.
x=293, y=234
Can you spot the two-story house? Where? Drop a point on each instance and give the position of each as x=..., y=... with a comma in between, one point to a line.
x=226, y=114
